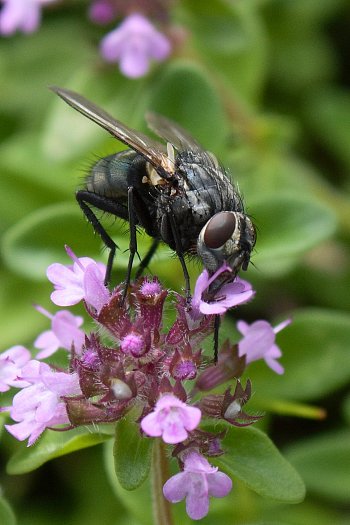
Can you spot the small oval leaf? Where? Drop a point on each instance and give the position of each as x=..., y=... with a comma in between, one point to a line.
x=288, y=226
x=324, y=462
x=251, y=456
x=132, y=455
x=53, y=445
x=7, y=516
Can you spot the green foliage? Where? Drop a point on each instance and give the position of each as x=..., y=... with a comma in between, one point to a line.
x=132, y=455
x=53, y=445
x=264, y=85
x=252, y=457
x=7, y=516
x=324, y=463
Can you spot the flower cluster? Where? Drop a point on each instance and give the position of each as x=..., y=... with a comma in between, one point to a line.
x=133, y=43
x=137, y=363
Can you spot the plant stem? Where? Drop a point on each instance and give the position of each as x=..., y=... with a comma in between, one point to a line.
x=160, y=473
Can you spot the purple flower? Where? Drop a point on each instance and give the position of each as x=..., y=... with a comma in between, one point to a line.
x=259, y=343
x=11, y=363
x=64, y=333
x=39, y=405
x=229, y=295
x=171, y=419
x=102, y=11
x=21, y=15
x=133, y=44
x=83, y=280
x=196, y=483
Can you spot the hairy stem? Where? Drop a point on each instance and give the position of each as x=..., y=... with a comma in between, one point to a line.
x=160, y=473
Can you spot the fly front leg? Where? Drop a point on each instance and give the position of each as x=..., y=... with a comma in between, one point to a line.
x=217, y=322
x=180, y=253
x=86, y=198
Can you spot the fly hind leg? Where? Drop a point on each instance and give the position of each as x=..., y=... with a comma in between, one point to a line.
x=85, y=200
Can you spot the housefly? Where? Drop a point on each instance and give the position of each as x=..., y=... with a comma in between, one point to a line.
x=177, y=192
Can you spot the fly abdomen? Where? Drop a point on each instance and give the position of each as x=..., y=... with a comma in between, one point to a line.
x=110, y=175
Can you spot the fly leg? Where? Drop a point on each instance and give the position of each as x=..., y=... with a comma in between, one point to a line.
x=217, y=322
x=133, y=240
x=180, y=253
x=147, y=258
x=86, y=198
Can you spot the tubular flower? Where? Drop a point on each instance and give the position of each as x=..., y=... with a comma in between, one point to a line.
x=259, y=343
x=130, y=364
x=171, y=419
x=83, y=280
x=11, y=363
x=231, y=294
x=40, y=405
x=64, y=334
x=21, y=15
x=134, y=44
x=198, y=481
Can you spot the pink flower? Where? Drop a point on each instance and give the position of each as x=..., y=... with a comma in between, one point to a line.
x=259, y=343
x=39, y=405
x=11, y=363
x=172, y=419
x=133, y=44
x=21, y=15
x=83, y=280
x=228, y=295
x=102, y=11
x=64, y=334
x=198, y=481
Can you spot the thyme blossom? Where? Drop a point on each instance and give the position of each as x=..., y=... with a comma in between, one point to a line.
x=134, y=43
x=132, y=361
x=197, y=482
x=21, y=15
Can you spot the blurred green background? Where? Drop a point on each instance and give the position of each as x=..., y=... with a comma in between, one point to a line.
x=264, y=84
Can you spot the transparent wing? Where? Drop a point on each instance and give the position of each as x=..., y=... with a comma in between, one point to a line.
x=153, y=151
x=173, y=133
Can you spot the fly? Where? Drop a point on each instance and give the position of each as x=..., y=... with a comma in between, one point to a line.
x=177, y=192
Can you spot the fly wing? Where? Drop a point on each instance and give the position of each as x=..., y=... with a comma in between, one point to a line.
x=153, y=151
x=173, y=133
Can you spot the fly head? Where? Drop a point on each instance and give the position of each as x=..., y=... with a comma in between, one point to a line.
x=228, y=236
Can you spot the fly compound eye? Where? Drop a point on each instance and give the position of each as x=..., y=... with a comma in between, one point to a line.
x=219, y=229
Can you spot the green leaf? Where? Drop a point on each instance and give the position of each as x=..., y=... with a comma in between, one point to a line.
x=324, y=463
x=53, y=445
x=28, y=168
x=181, y=93
x=17, y=306
x=7, y=516
x=38, y=240
x=138, y=501
x=328, y=112
x=288, y=225
x=252, y=457
x=230, y=38
x=315, y=354
x=67, y=134
x=346, y=409
x=132, y=454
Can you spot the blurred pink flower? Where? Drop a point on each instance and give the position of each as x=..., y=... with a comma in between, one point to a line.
x=21, y=15
x=259, y=343
x=133, y=44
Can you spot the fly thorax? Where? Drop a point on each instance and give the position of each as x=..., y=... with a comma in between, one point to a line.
x=227, y=237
